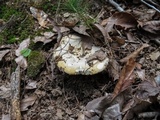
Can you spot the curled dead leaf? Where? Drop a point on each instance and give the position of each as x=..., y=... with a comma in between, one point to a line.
x=151, y=26
x=31, y=85
x=112, y=112
x=26, y=102
x=40, y=15
x=148, y=89
x=3, y=53
x=21, y=61
x=98, y=105
x=127, y=77
x=105, y=34
x=155, y=55
x=81, y=29
x=123, y=19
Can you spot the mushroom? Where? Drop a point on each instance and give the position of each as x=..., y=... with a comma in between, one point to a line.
x=75, y=55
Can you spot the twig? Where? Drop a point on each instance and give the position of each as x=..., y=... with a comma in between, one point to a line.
x=15, y=94
x=116, y=5
x=152, y=2
x=151, y=6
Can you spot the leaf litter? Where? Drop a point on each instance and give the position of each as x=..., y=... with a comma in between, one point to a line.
x=127, y=89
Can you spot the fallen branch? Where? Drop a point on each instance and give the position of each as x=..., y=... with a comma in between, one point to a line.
x=15, y=95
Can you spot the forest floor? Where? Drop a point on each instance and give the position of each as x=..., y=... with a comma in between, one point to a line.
x=32, y=87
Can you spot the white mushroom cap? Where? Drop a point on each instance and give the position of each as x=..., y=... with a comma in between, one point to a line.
x=72, y=59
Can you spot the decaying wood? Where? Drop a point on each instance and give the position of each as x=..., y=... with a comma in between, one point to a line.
x=15, y=95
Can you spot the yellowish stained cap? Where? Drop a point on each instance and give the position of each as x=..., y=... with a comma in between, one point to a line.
x=73, y=59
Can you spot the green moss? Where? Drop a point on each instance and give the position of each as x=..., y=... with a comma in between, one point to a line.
x=49, y=7
x=35, y=63
x=6, y=12
x=19, y=28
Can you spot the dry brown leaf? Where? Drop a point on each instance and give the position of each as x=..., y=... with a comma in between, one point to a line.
x=147, y=89
x=144, y=14
x=105, y=34
x=142, y=99
x=123, y=19
x=141, y=74
x=128, y=106
x=112, y=112
x=151, y=26
x=42, y=39
x=99, y=55
x=130, y=37
x=31, y=85
x=21, y=61
x=40, y=15
x=48, y=35
x=6, y=117
x=104, y=22
x=5, y=91
x=61, y=29
x=135, y=53
x=87, y=42
x=117, y=41
x=155, y=55
x=126, y=77
x=3, y=53
x=81, y=29
x=24, y=44
x=39, y=39
x=81, y=117
x=26, y=102
x=113, y=69
x=59, y=113
x=98, y=105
